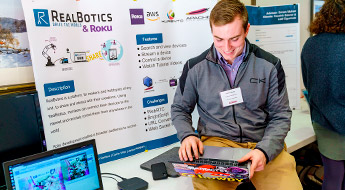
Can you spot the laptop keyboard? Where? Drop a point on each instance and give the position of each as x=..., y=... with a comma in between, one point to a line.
x=230, y=163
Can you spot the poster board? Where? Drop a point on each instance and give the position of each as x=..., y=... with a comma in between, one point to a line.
x=276, y=29
x=109, y=70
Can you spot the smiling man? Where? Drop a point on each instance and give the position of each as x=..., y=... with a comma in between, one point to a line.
x=257, y=116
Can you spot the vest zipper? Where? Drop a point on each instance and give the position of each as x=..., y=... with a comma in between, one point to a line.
x=233, y=107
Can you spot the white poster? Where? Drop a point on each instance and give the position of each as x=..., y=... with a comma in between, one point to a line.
x=276, y=30
x=109, y=69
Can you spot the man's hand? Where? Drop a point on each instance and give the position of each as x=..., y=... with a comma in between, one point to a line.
x=189, y=144
x=258, y=159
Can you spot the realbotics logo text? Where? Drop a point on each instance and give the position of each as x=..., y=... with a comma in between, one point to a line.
x=80, y=17
x=74, y=20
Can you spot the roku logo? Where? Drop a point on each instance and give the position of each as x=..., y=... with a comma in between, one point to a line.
x=137, y=16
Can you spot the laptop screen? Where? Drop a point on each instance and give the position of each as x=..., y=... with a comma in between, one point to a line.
x=72, y=167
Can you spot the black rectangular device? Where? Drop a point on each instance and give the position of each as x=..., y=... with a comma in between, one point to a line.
x=159, y=171
x=134, y=183
x=72, y=167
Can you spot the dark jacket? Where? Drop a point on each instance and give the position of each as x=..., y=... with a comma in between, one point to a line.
x=323, y=71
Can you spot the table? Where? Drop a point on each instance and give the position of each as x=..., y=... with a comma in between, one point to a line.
x=301, y=134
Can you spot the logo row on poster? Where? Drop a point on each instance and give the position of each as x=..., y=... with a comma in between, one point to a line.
x=137, y=16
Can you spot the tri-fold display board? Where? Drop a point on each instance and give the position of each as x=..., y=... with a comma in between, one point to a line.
x=109, y=70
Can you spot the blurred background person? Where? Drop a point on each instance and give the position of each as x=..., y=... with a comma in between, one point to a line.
x=323, y=70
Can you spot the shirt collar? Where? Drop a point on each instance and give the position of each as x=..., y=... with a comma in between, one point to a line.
x=238, y=59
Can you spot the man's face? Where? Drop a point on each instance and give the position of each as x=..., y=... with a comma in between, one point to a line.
x=229, y=39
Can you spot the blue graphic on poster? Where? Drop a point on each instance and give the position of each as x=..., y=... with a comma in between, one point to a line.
x=112, y=50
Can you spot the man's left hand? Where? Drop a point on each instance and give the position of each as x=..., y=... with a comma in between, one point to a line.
x=258, y=159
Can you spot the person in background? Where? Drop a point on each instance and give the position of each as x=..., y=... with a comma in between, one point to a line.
x=323, y=71
x=258, y=117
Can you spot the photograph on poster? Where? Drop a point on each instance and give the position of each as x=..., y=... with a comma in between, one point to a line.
x=14, y=44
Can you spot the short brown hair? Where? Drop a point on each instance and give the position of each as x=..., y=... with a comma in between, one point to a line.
x=225, y=12
x=330, y=19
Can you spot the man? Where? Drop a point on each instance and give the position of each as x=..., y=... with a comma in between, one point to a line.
x=256, y=115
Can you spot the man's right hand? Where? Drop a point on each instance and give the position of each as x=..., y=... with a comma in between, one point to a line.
x=189, y=146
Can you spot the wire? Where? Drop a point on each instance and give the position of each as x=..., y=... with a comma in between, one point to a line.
x=58, y=59
x=110, y=177
x=113, y=175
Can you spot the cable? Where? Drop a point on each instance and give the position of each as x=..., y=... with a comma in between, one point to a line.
x=130, y=183
x=110, y=177
x=58, y=59
x=113, y=175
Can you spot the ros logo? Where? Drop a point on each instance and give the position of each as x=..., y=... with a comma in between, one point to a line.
x=171, y=15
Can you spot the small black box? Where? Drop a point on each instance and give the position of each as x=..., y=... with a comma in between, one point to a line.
x=134, y=183
x=159, y=171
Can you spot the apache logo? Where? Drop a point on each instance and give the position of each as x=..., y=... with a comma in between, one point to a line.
x=200, y=11
x=171, y=15
x=196, y=15
x=152, y=14
x=41, y=17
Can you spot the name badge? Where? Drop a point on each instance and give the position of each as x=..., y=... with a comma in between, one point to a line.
x=231, y=97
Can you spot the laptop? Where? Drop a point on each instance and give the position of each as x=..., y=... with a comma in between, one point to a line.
x=73, y=167
x=216, y=163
